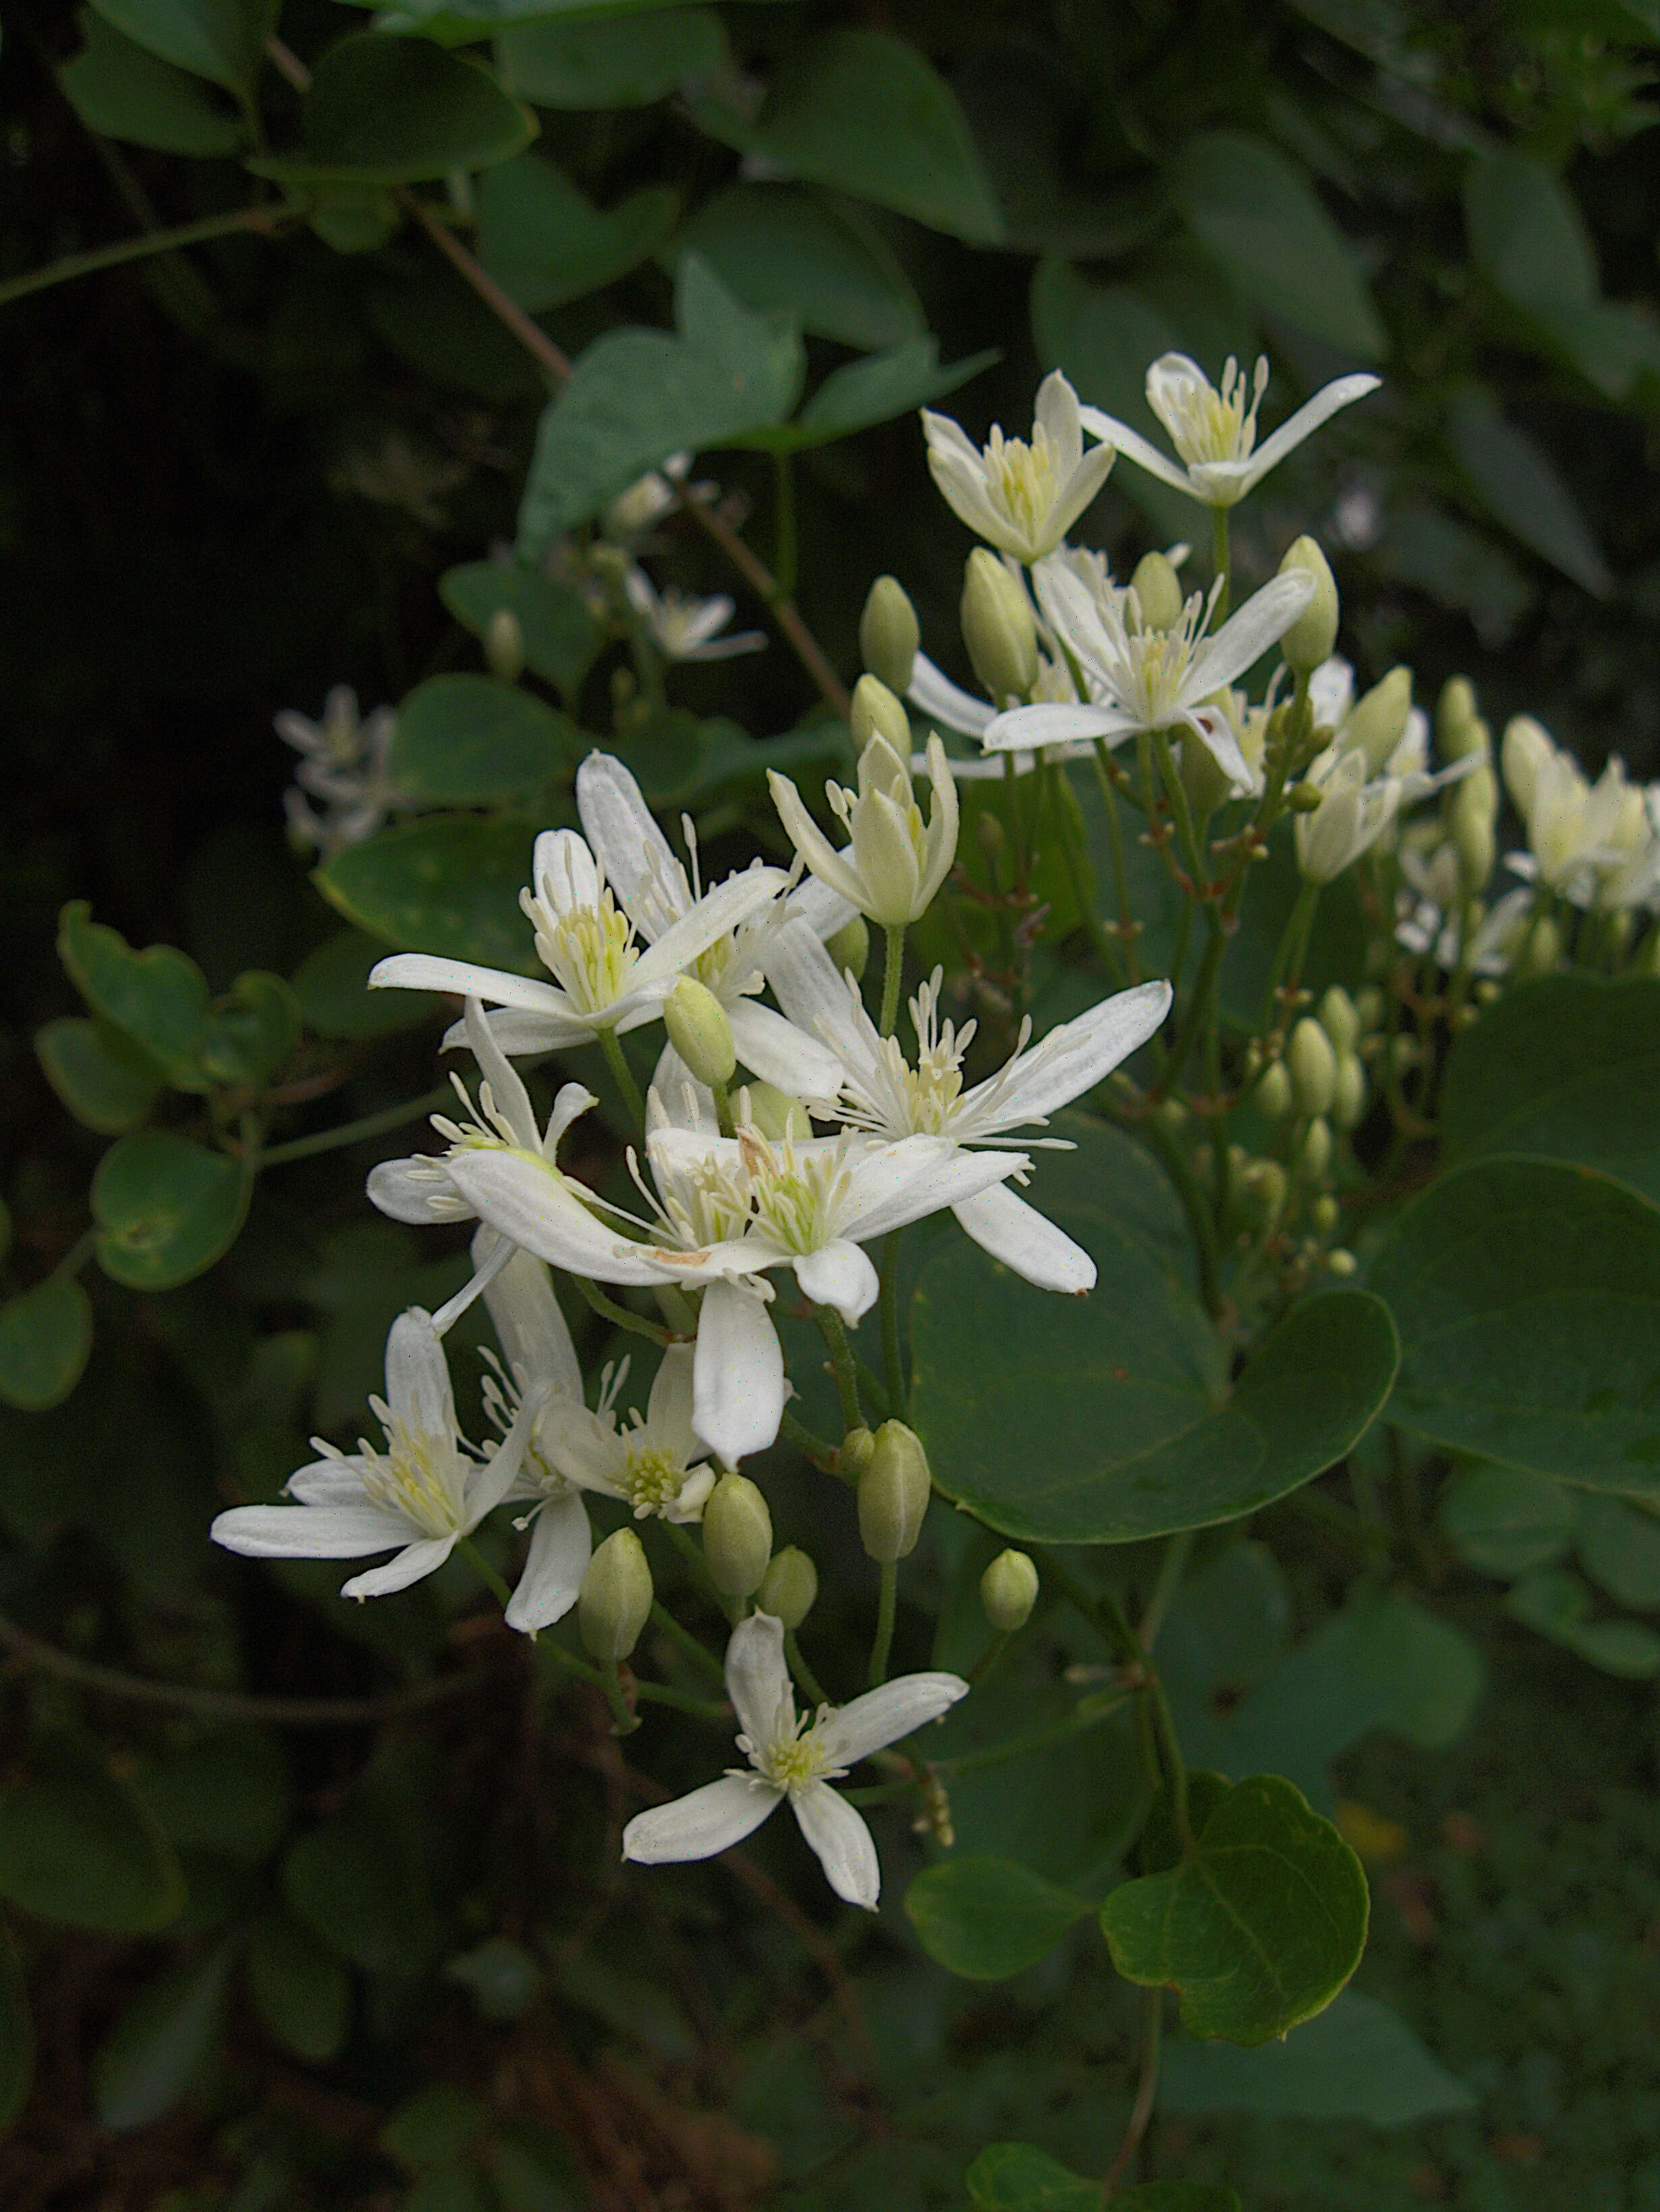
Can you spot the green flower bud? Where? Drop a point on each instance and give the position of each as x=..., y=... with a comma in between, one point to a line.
x=1313, y=1155
x=615, y=1601
x=700, y=1032
x=788, y=1587
x=1158, y=590
x=504, y=646
x=998, y=628
x=1207, y=786
x=1472, y=818
x=1340, y=1019
x=1311, y=638
x=1542, y=950
x=875, y=710
x=1265, y=1187
x=1368, y=1007
x=1312, y=1064
x=855, y=1455
x=989, y=836
x=850, y=947
x=1273, y=1098
x=888, y=633
x=773, y=1112
x=1325, y=1214
x=1459, y=728
x=1008, y=1591
x=1306, y=799
x=1525, y=750
x=737, y=1535
x=1378, y=720
x=1349, y=1105
x=1341, y=1263
x=894, y=1492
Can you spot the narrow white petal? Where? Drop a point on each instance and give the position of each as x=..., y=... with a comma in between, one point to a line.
x=824, y=910
x=711, y=1819
x=1342, y=392
x=1265, y=616
x=715, y=914
x=1081, y=487
x=506, y=1089
x=309, y=1532
x=635, y=856
x=414, y=1561
x=935, y=697
x=841, y=1844
x=780, y=1053
x=326, y=1482
x=409, y=1190
x=839, y=1274
x=561, y=1546
x=1072, y=1058
x=466, y=979
x=530, y=1327
x=882, y=1716
x=564, y=871
x=737, y=1398
x=520, y=1036
x=1055, y=725
x=940, y=1184
x=1213, y=731
x=1135, y=447
x=491, y=1252
x=814, y=994
x=669, y=1407
x=688, y=1103
x=1002, y=1222
x=529, y=1203
x=759, y=1679
x=418, y=1375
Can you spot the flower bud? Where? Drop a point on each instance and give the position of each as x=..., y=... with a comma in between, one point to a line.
x=1273, y=1098
x=1205, y=781
x=1158, y=590
x=894, y=1492
x=876, y=709
x=855, y=1455
x=504, y=646
x=1008, y=1591
x=1306, y=799
x=1542, y=950
x=849, y=946
x=998, y=628
x=788, y=1587
x=1313, y=1155
x=1474, y=814
x=737, y=1535
x=1341, y=1261
x=1339, y=1018
x=1265, y=1187
x=1524, y=751
x=1325, y=1214
x=1368, y=1007
x=888, y=633
x=700, y=1032
x=1311, y=1064
x=1459, y=729
x=1349, y=1105
x=989, y=836
x=615, y=1600
x=1378, y=720
x=773, y=1112
x=1312, y=637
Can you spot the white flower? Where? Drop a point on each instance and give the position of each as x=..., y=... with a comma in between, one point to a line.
x=893, y=864
x=791, y=1761
x=683, y=628
x=604, y=979
x=1355, y=811
x=647, y=499
x=420, y=1495
x=885, y=1096
x=1215, y=432
x=345, y=764
x=1021, y=498
x=1594, y=843
x=658, y=1467
x=939, y=700
x=1428, y=906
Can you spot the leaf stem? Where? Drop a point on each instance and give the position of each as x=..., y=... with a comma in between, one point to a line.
x=612, y=1045
x=822, y=1455
x=803, y=1674
x=636, y=1324
x=846, y=1381
x=263, y=222
x=1168, y=1581
x=893, y=976
x=1221, y=560
x=684, y=1641
x=1176, y=1166
x=358, y=1131
x=1151, y=2028
x=784, y=551
x=486, y=1573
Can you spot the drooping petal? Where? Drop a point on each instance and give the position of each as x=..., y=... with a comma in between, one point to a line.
x=636, y=857
x=759, y=1679
x=1002, y=1222
x=934, y=694
x=881, y=1717
x=841, y=1842
x=1246, y=635
x=1214, y=732
x=669, y=1407
x=414, y=1561
x=309, y=1532
x=418, y=1375
x=780, y=1053
x=839, y=1274
x=811, y=843
x=529, y=1203
x=491, y=1252
x=711, y=1819
x=1070, y=1060
x=715, y=914
x=530, y=1327
x=561, y=1546
x=466, y=979
x=526, y=1036
x=814, y=994
x=1056, y=723
x=1342, y=392
x=737, y=1378
x=688, y=1103
x=1135, y=447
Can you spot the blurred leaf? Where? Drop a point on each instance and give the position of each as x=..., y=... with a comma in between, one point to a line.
x=396, y=112
x=45, y=1340
x=230, y=1793
x=425, y=315
x=300, y=1990
x=437, y=2126
x=357, y=1881
x=450, y=2188
x=1015, y=2177
x=534, y=2171
x=16, y=2032
x=75, y=1844
x=504, y=1979
x=163, y=2042
x=780, y=250
x=223, y=40
x=1431, y=551
x=1519, y=483
x=470, y=740
x=1336, y=951
x=353, y=218
x=987, y=1918
x=1526, y=232
x=1619, y=1548
x=252, y=1031
x=448, y=884
x=545, y=243
x=1357, y=2060
x=1556, y=1603
x=1626, y=1648
x=165, y=1208
x=760, y=354
x=121, y=91
x=595, y=61
x=1503, y=1520
x=876, y=389
x=104, y=1084
x=332, y=987
x=560, y=638
x=157, y=998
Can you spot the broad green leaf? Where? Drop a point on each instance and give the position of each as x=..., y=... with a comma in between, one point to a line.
x=353, y=218
x=784, y=251
x=1357, y=2060
x=1626, y=1648
x=121, y=91
x=1258, y=1928
x=300, y=1989
x=104, y=1084
x=1017, y=2176
x=543, y=243
x=863, y=111
x=75, y=1844
x=223, y=40
x=165, y=1208
x=987, y=1918
x=1620, y=1547
x=1257, y=214
x=1503, y=1520
x=46, y=1338
x=331, y=985
x=469, y=740
x=1527, y=1298
x=230, y=1794
x=396, y=112
x=875, y=390
x=164, y=2042
x=592, y=62
x=437, y=2126
x=1566, y=1068
x=423, y=312
x=158, y=998
x=448, y=884
x=356, y=1880
x=1526, y=234
x=1556, y=1603
x=17, y=2033
x=561, y=639
x=252, y=1031
x=760, y=355
x=1520, y=483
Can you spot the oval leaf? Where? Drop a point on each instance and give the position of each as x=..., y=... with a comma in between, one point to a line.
x=104, y=1088
x=163, y=2043
x=46, y=1338
x=626, y=62
x=1016, y=2176
x=165, y=1209
x=784, y=251
x=561, y=639
x=987, y=1918
x=158, y=998
x=466, y=740
x=449, y=884
x=331, y=987
x=300, y=1989
x=223, y=40
x=545, y=244
x=1357, y=2061
x=1503, y=1520
x=118, y=89
x=396, y=112
x=76, y=1845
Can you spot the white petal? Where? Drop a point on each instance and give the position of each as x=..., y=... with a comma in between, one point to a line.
x=466, y=979
x=814, y=994
x=418, y=1375
x=1213, y=731
x=669, y=1407
x=491, y=1252
x=1055, y=414
x=759, y=1679
x=839, y=1274
x=739, y=1374
x=331, y=1482
x=1245, y=636
x=711, y=1819
x=939, y=700
x=1056, y=723
x=529, y=1203
x=564, y=871
x=825, y=911
x=782, y=1054
x=561, y=1546
x=688, y=1103
x=1002, y=1222
x=1071, y=1059
x=937, y=1183
x=635, y=856
x=1343, y=392
x=1081, y=487
x=412, y=1190
x=882, y=1716
x=511, y=1097
x=525, y=1037
x=309, y=1532
x=1135, y=447
x=531, y=1331
x=715, y=914
x=832, y=868
x=414, y=1561
x=841, y=1844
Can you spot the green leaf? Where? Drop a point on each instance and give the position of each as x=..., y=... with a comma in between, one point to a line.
x=230, y=1794
x=862, y=112
x=1556, y=1603
x=876, y=389
x=121, y=91
x=545, y=243
x=332, y=987
x=783, y=251
x=165, y=1208
x=1520, y=483
x=223, y=40
x=448, y=884
x=252, y=1031
x=17, y=2033
x=1016, y=2176
x=437, y=2127
x=1257, y=214
x=425, y=314
x=164, y=2042
x=300, y=1989
x=1626, y=1648
x=353, y=218
x=469, y=740
x=987, y=1918
x=1620, y=1547
x=75, y=1844
x=560, y=638
x=1527, y=1298
x=102, y=1081
x=1566, y=1068
x=760, y=355
x=621, y=62
x=1502, y=1521
x=386, y=111
x=1357, y=2060
x=159, y=997
x=45, y=1340
x=1258, y=1928
x=357, y=1881
x=1526, y=234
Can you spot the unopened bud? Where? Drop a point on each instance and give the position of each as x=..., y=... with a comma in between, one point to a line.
x=998, y=628
x=504, y=645
x=855, y=1453
x=1348, y=1105
x=700, y=1032
x=1524, y=751
x=1312, y=637
x=1206, y=781
x=1305, y=798
x=1340, y=1019
x=614, y=1603
x=1266, y=1188
x=1313, y=1155
x=876, y=710
x=1368, y=1007
x=888, y=633
x=1008, y=1591
x=849, y=946
x=1377, y=721
x=1459, y=729
x=1542, y=950
x=1474, y=815
x=1273, y=1098
x=1340, y=1261
x=894, y=1492
x=773, y=1112
x=1158, y=590
x=737, y=1535
x=1312, y=1063
x=789, y=1587
x=1324, y=1214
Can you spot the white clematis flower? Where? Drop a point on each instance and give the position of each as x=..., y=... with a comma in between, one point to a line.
x=418, y=1496
x=884, y=1096
x=793, y=1760
x=894, y=863
x=1215, y=432
x=658, y=1465
x=684, y=627
x=1355, y=810
x=1593, y=843
x=1021, y=498
x=345, y=762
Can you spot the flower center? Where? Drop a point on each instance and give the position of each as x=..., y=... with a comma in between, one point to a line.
x=1207, y=425
x=651, y=1480
x=589, y=951
x=415, y=1476
x=793, y=1760
x=1022, y=478
x=796, y=1199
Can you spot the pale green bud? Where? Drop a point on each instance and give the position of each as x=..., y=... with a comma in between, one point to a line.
x=1273, y=1098
x=504, y=646
x=789, y=1587
x=849, y=946
x=1341, y=1263
x=737, y=1535
x=773, y=1112
x=1306, y=799
x=1203, y=778
x=700, y=1032
x=894, y=1492
x=1542, y=950
x=1266, y=1187
x=1377, y=721
x=1008, y=1591
x=1312, y=637
x=876, y=710
x=1459, y=729
x=1313, y=1155
x=1349, y=1105
x=1368, y=1007
x=1311, y=1064
x=998, y=628
x=989, y=836
x=888, y=633
x=854, y=1457
x=1158, y=590
x=1525, y=750
x=1325, y=1214
x=614, y=1603
x=1339, y=1018
x=1474, y=814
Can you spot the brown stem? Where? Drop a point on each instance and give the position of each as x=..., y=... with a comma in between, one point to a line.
x=1153, y=2018
x=530, y=335
x=755, y=571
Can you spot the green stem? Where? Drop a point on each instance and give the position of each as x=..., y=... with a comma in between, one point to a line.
x=893, y=1363
x=784, y=555
x=1147, y=2091
x=1013, y=822
x=1290, y=954
x=260, y=220
x=1171, y=1568
x=1108, y=953
x=684, y=1642
x=846, y=1381
x=722, y=1108
x=886, y=1604
x=612, y=1045
x=358, y=1131
x=703, y=1709
x=1221, y=562
x=636, y=1324
x=804, y=1674
x=1198, y=1006
x=1128, y=932
x=1100, y=1608
x=486, y=1573
x=1181, y=813
x=1176, y=1166
x=822, y=1455
x=893, y=976
x=1170, y=1755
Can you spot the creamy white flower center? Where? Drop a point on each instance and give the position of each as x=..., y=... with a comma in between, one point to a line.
x=701, y=1203
x=589, y=951
x=792, y=1755
x=1147, y=670
x=419, y=1475
x=1023, y=480
x=650, y=1479
x=1208, y=425
x=797, y=1198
